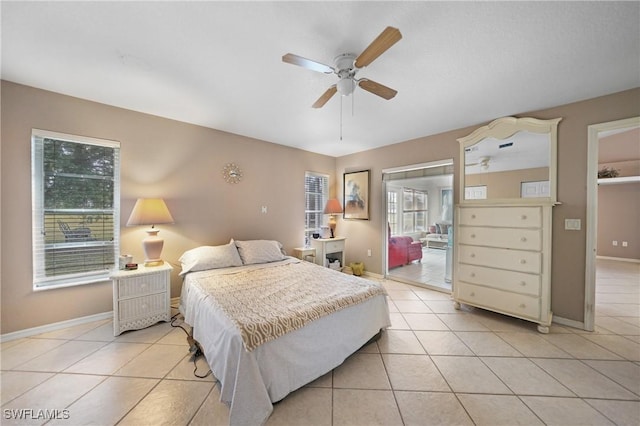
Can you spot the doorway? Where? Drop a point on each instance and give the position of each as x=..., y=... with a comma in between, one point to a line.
x=418, y=217
x=595, y=133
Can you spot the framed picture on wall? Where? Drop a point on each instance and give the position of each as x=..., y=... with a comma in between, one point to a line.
x=356, y=195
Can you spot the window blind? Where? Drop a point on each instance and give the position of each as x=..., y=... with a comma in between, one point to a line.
x=316, y=194
x=75, y=208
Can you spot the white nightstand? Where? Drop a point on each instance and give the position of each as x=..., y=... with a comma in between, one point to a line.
x=329, y=248
x=305, y=253
x=141, y=297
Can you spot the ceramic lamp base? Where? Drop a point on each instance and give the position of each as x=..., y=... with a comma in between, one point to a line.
x=152, y=246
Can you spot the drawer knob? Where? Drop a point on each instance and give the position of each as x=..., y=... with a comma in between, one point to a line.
x=473, y=235
x=472, y=255
x=523, y=283
x=523, y=217
x=473, y=274
x=522, y=305
x=144, y=306
x=473, y=216
x=144, y=285
x=522, y=261
x=472, y=294
x=523, y=239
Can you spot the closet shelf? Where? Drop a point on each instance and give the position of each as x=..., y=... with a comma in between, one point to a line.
x=618, y=180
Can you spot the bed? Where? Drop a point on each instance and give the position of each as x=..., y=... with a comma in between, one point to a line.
x=268, y=324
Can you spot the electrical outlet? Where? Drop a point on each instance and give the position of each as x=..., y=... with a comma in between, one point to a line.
x=615, y=243
x=369, y=252
x=625, y=244
x=264, y=209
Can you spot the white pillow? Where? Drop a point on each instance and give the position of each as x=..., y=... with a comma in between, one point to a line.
x=260, y=251
x=210, y=257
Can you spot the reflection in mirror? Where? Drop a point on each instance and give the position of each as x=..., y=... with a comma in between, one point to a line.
x=510, y=159
x=506, y=165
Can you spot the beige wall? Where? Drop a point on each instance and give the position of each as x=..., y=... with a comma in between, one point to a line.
x=183, y=162
x=160, y=158
x=569, y=247
x=618, y=205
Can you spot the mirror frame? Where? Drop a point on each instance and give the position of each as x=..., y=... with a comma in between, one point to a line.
x=503, y=128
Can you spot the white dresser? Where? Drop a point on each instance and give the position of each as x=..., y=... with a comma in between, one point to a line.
x=141, y=297
x=503, y=260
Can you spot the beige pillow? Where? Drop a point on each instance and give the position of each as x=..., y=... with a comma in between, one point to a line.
x=260, y=251
x=210, y=257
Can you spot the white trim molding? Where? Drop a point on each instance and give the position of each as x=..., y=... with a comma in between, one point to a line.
x=54, y=326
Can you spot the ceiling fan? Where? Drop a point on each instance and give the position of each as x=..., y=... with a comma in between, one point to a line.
x=347, y=65
x=483, y=162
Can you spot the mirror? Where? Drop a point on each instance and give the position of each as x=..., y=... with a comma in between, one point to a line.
x=510, y=159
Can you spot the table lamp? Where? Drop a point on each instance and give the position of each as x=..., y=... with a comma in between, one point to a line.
x=151, y=211
x=332, y=208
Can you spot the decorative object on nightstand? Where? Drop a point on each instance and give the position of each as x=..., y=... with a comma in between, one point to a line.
x=151, y=211
x=332, y=208
x=141, y=297
x=232, y=173
x=329, y=251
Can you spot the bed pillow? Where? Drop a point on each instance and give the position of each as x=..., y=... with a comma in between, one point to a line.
x=210, y=257
x=260, y=251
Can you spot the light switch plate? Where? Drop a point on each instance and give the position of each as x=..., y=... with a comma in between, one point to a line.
x=572, y=224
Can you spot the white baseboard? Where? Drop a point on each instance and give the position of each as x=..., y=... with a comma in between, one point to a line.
x=54, y=326
x=372, y=275
x=568, y=322
x=619, y=259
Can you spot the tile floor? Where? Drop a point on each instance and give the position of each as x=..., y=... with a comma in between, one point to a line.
x=430, y=270
x=434, y=366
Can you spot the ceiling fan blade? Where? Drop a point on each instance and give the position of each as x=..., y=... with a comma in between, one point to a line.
x=377, y=89
x=290, y=58
x=325, y=97
x=384, y=41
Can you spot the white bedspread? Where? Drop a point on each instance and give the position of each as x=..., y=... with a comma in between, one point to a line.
x=251, y=381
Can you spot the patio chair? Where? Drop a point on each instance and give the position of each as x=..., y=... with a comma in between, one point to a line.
x=75, y=234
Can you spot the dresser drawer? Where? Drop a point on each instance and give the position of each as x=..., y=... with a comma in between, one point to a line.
x=514, y=260
x=142, y=285
x=498, y=300
x=508, y=217
x=334, y=246
x=517, y=282
x=517, y=238
x=143, y=306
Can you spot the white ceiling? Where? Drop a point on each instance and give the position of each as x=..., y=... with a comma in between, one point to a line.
x=218, y=64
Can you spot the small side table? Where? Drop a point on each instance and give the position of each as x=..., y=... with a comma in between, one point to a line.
x=305, y=253
x=141, y=297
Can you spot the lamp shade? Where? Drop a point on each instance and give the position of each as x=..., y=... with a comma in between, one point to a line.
x=149, y=211
x=333, y=206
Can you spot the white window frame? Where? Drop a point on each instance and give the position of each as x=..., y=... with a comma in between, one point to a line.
x=307, y=211
x=40, y=280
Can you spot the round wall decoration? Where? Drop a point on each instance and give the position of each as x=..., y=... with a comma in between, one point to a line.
x=232, y=173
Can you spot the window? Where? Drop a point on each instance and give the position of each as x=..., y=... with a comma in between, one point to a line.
x=414, y=215
x=76, y=208
x=392, y=212
x=316, y=193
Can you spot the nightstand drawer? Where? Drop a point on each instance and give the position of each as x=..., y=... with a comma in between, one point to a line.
x=142, y=306
x=142, y=285
x=335, y=246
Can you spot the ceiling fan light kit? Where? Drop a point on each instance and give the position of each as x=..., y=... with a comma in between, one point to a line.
x=347, y=66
